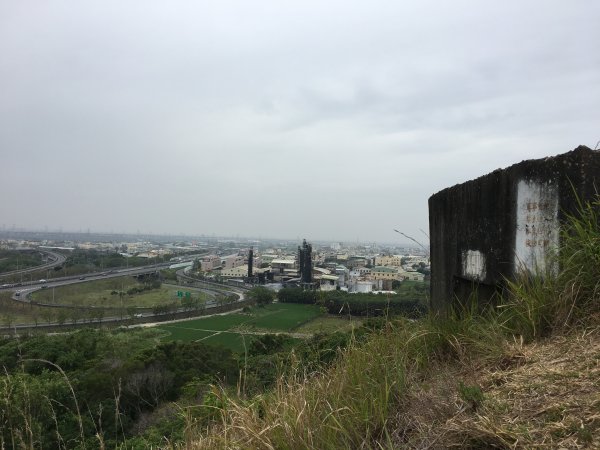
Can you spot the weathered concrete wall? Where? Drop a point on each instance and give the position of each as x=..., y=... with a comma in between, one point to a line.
x=490, y=228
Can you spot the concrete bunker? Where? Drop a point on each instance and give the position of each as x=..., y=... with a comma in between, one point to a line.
x=490, y=228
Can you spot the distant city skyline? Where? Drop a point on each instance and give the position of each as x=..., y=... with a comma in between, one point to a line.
x=326, y=120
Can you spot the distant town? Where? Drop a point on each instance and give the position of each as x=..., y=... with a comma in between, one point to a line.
x=351, y=267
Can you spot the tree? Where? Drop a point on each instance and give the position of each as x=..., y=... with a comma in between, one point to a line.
x=131, y=311
x=149, y=385
x=47, y=315
x=187, y=303
x=200, y=305
x=75, y=315
x=261, y=295
x=62, y=316
x=8, y=320
x=99, y=314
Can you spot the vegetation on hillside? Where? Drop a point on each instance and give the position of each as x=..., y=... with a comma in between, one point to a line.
x=19, y=259
x=420, y=384
x=407, y=301
x=132, y=388
x=519, y=374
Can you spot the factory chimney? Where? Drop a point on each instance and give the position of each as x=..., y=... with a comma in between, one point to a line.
x=250, y=261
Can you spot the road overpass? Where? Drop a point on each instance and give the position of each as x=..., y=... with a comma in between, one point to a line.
x=81, y=278
x=54, y=259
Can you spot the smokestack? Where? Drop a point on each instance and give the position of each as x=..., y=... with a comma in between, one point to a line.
x=250, y=261
x=307, y=270
x=300, y=261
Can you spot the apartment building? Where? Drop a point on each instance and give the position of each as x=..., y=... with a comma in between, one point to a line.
x=210, y=262
x=388, y=260
x=385, y=273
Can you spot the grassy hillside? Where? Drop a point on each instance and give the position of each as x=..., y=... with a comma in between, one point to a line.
x=523, y=374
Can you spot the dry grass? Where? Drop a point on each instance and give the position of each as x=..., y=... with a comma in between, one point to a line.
x=548, y=396
x=523, y=375
x=346, y=406
x=543, y=394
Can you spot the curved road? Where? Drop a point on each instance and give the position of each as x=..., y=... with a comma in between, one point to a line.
x=58, y=259
x=119, y=272
x=21, y=294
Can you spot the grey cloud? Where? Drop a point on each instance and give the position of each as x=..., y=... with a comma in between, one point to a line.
x=160, y=116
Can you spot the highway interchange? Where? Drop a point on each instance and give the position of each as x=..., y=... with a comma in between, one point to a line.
x=54, y=259
x=22, y=291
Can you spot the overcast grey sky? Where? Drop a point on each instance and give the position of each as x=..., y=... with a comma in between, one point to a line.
x=318, y=119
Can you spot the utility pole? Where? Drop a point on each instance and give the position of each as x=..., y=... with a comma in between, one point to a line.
x=121, y=297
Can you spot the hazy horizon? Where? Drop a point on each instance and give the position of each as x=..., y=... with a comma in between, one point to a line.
x=401, y=242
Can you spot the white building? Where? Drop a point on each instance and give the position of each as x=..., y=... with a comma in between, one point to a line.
x=363, y=287
x=231, y=261
x=210, y=262
x=235, y=272
x=280, y=266
x=329, y=282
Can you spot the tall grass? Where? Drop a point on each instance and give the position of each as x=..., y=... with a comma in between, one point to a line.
x=349, y=405
x=538, y=305
x=344, y=407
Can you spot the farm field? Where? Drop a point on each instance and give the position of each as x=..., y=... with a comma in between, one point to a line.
x=230, y=330
x=105, y=293
x=329, y=324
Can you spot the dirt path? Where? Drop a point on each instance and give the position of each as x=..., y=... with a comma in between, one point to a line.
x=185, y=319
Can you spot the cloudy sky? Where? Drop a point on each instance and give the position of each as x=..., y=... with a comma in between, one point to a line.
x=318, y=119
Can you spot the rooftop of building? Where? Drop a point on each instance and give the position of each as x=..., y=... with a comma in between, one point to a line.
x=283, y=261
x=384, y=269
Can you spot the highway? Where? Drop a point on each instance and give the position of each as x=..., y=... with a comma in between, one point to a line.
x=21, y=293
x=57, y=260
x=81, y=278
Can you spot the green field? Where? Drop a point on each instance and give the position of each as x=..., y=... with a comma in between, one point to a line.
x=230, y=330
x=105, y=293
x=330, y=324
